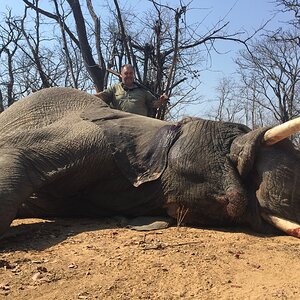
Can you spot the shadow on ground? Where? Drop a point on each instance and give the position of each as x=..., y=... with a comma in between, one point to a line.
x=41, y=234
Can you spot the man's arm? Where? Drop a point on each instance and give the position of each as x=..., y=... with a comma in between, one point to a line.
x=106, y=95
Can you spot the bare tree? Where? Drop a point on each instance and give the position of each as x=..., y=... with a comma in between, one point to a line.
x=291, y=6
x=234, y=103
x=97, y=74
x=10, y=75
x=27, y=61
x=95, y=70
x=33, y=43
x=275, y=65
x=227, y=108
x=165, y=50
x=9, y=37
x=268, y=88
x=67, y=54
x=250, y=97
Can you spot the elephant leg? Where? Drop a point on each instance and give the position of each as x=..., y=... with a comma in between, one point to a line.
x=15, y=185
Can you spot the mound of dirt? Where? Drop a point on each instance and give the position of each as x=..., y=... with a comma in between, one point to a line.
x=94, y=259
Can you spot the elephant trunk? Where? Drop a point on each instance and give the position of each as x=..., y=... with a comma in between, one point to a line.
x=15, y=186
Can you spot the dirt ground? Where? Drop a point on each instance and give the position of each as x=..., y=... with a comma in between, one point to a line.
x=94, y=259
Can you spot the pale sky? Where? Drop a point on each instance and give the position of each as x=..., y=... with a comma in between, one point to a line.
x=243, y=15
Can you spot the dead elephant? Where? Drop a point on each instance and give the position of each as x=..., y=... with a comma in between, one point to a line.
x=64, y=152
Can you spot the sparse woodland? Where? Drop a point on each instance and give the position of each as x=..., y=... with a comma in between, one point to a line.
x=74, y=43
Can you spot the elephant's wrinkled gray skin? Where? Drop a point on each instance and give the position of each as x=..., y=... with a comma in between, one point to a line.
x=63, y=152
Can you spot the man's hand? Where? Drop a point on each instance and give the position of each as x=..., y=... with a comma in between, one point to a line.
x=163, y=98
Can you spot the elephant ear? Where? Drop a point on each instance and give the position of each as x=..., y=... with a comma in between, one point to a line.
x=139, y=144
x=244, y=148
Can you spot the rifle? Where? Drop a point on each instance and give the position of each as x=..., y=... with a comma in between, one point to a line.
x=114, y=72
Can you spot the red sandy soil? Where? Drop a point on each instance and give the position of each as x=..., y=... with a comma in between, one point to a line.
x=94, y=259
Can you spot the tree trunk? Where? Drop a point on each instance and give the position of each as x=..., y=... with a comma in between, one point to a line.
x=97, y=74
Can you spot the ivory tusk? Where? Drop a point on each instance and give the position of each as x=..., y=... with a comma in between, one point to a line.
x=282, y=131
x=284, y=225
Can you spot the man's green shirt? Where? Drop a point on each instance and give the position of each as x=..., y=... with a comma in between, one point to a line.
x=135, y=100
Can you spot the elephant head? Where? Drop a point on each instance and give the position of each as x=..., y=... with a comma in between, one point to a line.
x=272, y=165
x=237, y=176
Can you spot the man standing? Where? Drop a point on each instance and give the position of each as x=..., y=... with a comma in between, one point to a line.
x=129, y=96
